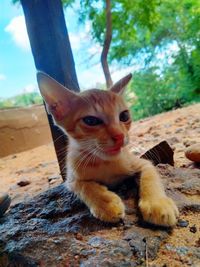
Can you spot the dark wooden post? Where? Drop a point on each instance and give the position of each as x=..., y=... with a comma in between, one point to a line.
x=52, y=54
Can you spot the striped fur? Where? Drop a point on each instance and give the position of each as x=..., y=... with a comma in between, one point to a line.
x=98, y=156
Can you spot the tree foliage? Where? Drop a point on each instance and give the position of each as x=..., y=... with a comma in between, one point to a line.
x=132, y=22
x=177, y=35
x=21, y=100
x=162, y=37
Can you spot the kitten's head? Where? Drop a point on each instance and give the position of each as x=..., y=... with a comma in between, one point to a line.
x=97, y=121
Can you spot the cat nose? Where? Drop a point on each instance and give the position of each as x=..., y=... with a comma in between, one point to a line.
x=118, y=139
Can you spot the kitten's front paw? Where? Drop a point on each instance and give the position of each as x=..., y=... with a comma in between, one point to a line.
x=109, y=208
x=161, y=211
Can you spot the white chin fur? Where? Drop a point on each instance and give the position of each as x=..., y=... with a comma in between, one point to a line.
x=105, y=156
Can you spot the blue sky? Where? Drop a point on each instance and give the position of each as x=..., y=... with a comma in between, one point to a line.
x=17, y=70
x=13, y=59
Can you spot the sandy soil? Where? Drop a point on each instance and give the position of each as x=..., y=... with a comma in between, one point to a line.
x=38, y=168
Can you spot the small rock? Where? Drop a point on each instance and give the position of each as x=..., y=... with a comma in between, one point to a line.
x=178, y=120
x=155, y=134
x=167, y=125
x=87, y=252
x=191, y=187
x=196, y=120
x=179, y=130
x=173, y=140
x=127, y=226
x=188, y=143
x=182, y=223
x=26, y=170
x=182, y=250
x=13, y=187
x=193, y=152
x=76, y=257
x=193, y=229
x=96, y=241
x=197, y=243
x=53, y=178
x=23, y=183
x=79, y=236
x=150, y=129
x=52, y=182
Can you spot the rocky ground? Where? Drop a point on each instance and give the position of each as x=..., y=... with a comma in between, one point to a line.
x=47, y=226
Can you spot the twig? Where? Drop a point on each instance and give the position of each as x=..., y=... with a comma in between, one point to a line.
x=146, y=253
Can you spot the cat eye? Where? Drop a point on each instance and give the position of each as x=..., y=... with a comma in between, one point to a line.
x=124, y=116
x=92, y=121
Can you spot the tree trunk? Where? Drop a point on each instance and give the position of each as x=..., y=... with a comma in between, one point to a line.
x=52, y=54
x=106, y=45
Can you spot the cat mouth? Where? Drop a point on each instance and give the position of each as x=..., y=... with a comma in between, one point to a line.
x=113, y=150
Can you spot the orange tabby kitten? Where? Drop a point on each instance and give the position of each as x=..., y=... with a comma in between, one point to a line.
x=97, y=124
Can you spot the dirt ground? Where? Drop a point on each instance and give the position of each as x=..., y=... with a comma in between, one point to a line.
x=37, y=170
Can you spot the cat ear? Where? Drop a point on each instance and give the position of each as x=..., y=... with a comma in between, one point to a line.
x=119, y=86
x=57, y=97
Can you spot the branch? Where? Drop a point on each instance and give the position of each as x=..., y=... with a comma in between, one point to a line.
x=106, y=45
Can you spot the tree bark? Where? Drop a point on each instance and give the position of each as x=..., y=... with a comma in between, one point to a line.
x=106, y=45
x=52, y=54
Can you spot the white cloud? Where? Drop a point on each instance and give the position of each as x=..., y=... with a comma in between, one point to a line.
x=81, y=38
x=93, y=76
x=88, y=26
x=2, y=77
x=120, y=73
x=95, y=49
x=75, y=41
x=29, y=88
x=17, y=29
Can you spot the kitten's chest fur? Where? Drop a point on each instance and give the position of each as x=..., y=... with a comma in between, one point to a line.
x=107, y=172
